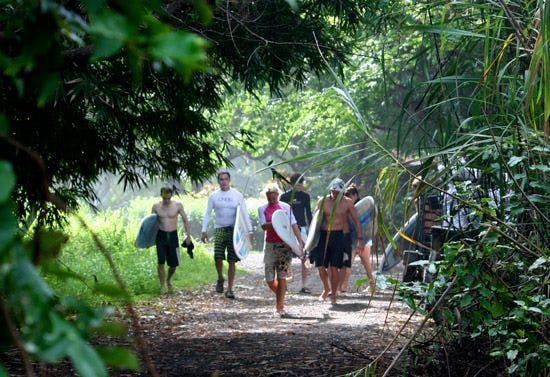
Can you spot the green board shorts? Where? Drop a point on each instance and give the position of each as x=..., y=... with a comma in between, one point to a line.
x=223, y=240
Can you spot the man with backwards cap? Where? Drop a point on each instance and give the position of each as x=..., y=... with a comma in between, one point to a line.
x=329, y=253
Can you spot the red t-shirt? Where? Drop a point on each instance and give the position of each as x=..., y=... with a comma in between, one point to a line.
x=270, y=235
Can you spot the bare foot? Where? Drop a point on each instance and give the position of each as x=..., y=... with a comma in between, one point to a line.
x=324, y=295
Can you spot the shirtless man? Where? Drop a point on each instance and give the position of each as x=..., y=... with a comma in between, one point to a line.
x=329, y=253
x=167, y=237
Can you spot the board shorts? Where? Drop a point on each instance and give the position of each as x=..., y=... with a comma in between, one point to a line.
x=168, y=248
x=223, y=240
x=346, y=258
x=338, y=244
x=277, y=261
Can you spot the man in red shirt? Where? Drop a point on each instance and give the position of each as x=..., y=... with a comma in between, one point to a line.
x=277, y=257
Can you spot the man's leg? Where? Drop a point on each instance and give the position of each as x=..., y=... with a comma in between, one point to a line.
x=219, y=270
x=334, y=280
x=230, y=276
x=364, y=255
x=171, y=271
x=323, y=275
x=280, y=295
x=304, y=276
x=273, y=284
x=162, y=277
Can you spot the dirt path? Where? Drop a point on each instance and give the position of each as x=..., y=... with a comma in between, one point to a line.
x=203, y=333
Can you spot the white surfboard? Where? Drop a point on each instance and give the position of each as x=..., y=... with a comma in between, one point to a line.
x=281, y=224
x=314, y=232
x=241, y=242
x=147, y=234
x=391, y=256
x=303, y=233
x=367, y=212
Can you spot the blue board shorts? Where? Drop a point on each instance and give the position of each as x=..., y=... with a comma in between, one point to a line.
x=168, y=248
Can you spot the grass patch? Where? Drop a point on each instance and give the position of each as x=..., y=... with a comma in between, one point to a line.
x=83, y=272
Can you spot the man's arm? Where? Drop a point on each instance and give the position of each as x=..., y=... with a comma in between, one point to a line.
x=206, y=219
x=355, y=218
x=298, y=236
x=181, y=211
x=307, y=204
x=261, y=219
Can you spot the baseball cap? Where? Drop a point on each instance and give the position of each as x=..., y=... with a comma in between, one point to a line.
x=336, y=185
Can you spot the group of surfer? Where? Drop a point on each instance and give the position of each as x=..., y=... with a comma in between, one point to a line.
x=340, y=238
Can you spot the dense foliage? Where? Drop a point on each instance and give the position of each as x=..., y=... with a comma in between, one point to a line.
x=127, y=88
x=482, y=132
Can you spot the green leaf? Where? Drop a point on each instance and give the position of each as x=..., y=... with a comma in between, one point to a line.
x=204, y=11
x=534, y=309
x=105, y=47
x=515, y=160
x=497, y=309
x=484, y=292
x=8, y=226
x=7, y=177
x=112, y=329
x=24, y=277
x=86, y=360
x=110, y=290
x=537, y=198
x=539, y=262
x=542, y=168
x=111, y=30
x=48, y=86
x=93, y=5
x=511, y=355
x=466, y=300
x=118, y=357
x=180, y=48
x=445, y=30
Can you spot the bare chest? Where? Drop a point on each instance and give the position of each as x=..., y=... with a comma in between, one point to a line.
x=167, y=211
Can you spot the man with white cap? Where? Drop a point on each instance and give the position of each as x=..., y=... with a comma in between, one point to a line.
x=329, y=253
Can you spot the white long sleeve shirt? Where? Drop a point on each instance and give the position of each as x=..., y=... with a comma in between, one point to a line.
x=224, y=204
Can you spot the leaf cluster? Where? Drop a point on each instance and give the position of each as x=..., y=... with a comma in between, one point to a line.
x=108, y=87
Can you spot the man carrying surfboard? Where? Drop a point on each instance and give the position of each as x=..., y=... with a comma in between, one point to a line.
x=277, y=257
x=333, y=243
x=364, y=253
x=300, y=202
x=224, y=202
x=167, y=242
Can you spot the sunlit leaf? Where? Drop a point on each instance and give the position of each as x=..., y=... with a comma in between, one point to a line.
x=119, y=357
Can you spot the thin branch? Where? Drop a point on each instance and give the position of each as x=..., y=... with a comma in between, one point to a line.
x=422, y=324
x=12, y=328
